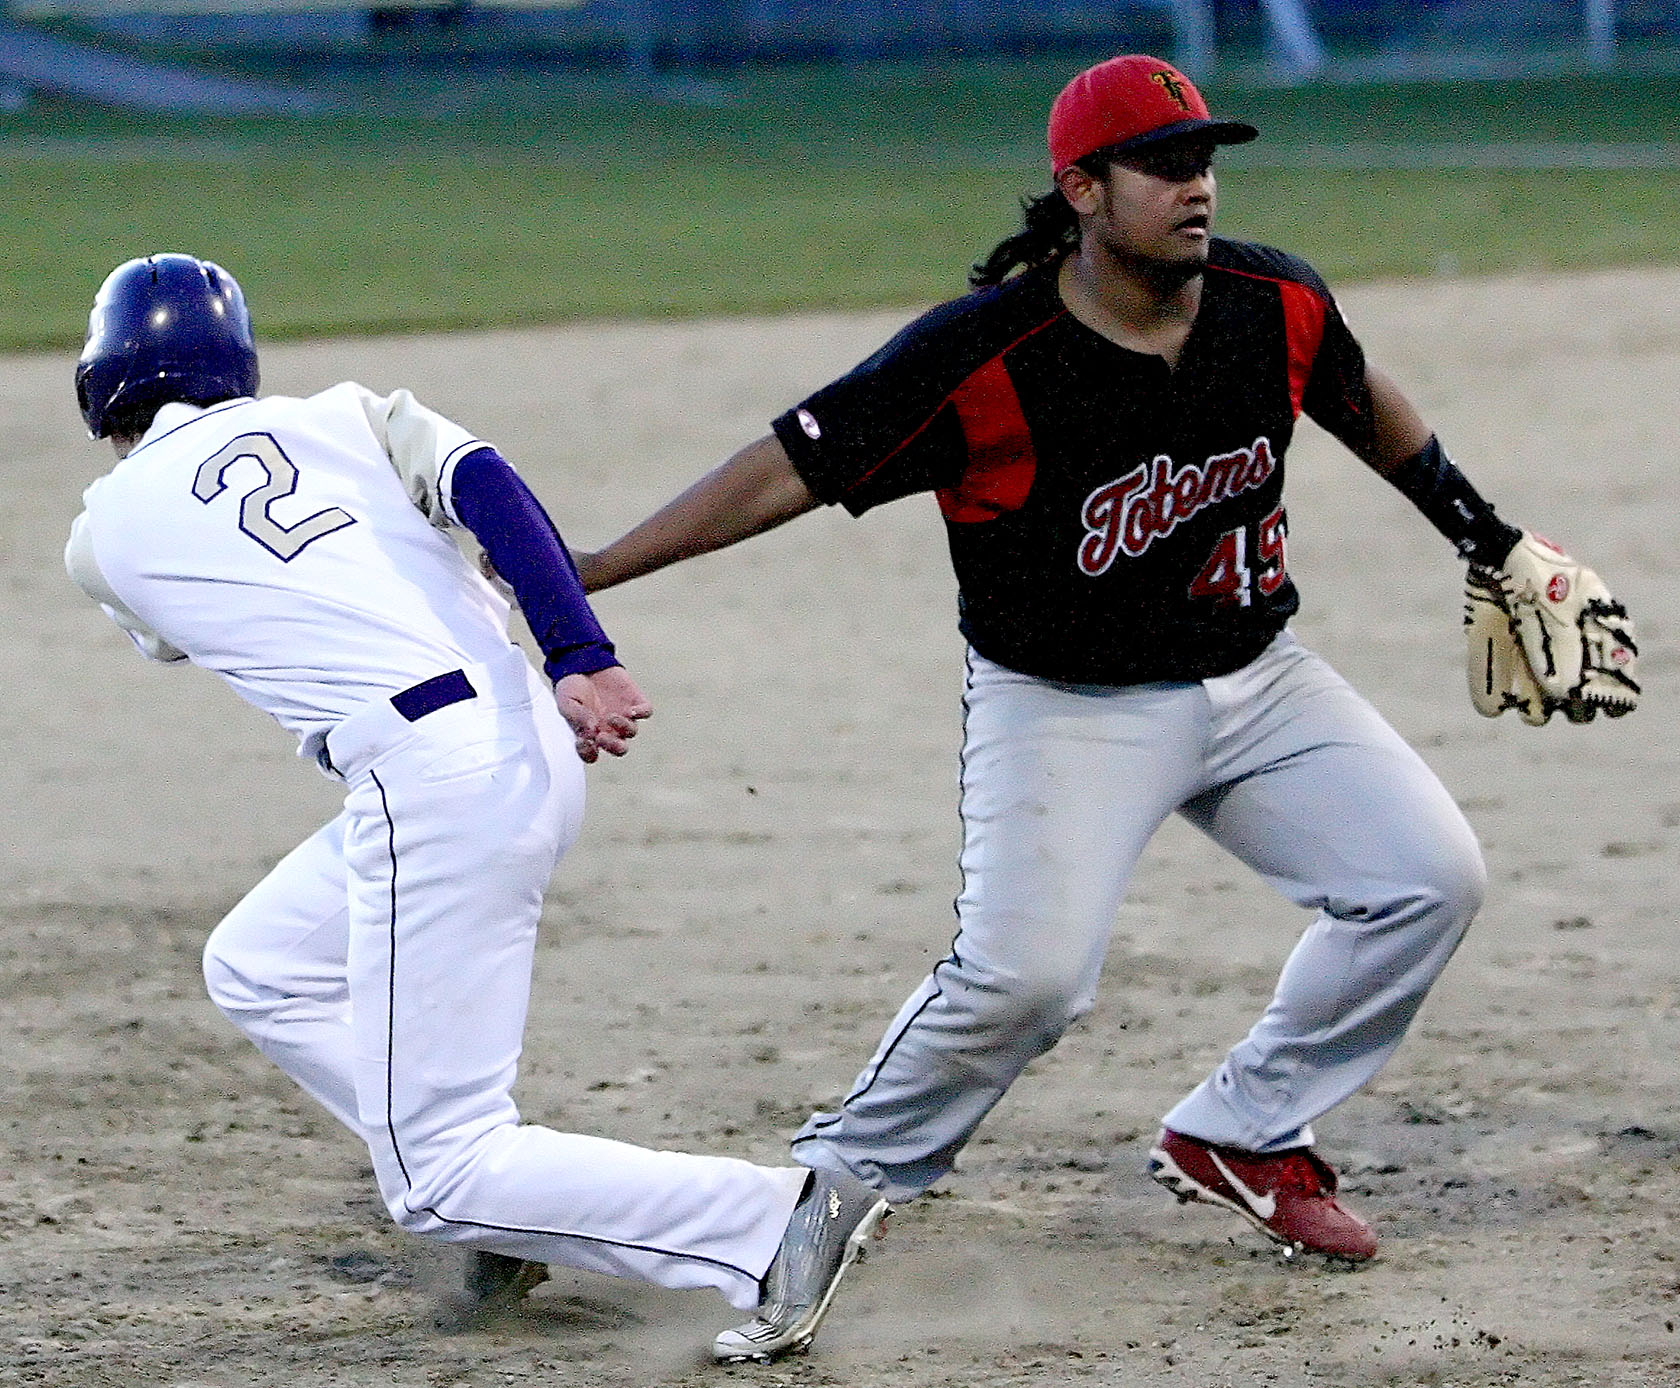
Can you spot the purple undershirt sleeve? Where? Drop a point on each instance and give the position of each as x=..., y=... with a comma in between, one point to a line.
x=496, y=505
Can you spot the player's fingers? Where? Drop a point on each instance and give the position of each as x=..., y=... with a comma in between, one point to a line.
x=626, y=695
x=632, y=709
x=584, y=722
x=577, y=714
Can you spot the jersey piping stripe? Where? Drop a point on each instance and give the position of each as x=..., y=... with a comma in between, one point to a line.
x=1303, y=328
x=390, y=1090
x=591, y=1238
x=912, y=436
x=1001, y=461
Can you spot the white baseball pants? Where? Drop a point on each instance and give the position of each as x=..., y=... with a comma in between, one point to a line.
x=1280, y=763
x=385, y=965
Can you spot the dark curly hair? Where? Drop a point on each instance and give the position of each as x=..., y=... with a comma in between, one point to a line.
x=1049, y=230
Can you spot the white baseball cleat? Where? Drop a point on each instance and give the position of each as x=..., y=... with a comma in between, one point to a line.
x=833, y=1221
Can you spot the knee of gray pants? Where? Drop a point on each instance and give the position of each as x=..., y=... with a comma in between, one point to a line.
x=1463, y=890
x=1449, y=888
x=1439, y=878
x=1031, y=1005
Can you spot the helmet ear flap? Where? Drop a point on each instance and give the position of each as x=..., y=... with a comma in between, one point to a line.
x=82, y=402
x=164, y=328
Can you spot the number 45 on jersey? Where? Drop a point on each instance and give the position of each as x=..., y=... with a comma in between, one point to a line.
x=1236, y=570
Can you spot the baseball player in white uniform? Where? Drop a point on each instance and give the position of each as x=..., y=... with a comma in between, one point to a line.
x=302, y=549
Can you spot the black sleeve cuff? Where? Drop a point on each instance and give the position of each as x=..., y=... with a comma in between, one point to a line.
x=1430, y=481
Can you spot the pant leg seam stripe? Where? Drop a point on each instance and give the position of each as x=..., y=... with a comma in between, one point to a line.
x=391, y=990
x=586, y=1238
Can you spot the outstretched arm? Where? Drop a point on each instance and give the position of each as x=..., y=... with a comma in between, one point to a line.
x=756, y=490
x=1544, y=633
x=1399, y=430
x=1403, y=449
x=594, y=693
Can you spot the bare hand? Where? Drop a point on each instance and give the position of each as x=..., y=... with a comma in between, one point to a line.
x=603, y=710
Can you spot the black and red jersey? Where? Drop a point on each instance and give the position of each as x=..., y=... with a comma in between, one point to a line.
x=1111, y=520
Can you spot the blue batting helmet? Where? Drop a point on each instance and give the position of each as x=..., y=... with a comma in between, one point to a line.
x=164, y=327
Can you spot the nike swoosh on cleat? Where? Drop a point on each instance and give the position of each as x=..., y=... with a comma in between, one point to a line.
x=1264, y=1206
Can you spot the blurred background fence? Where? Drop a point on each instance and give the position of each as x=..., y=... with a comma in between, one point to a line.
x=1274, y=40
x=430, y=166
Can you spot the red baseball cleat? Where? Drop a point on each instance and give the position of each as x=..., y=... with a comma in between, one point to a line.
x=1288, y=1196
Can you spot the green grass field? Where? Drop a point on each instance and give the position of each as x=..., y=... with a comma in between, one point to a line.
x=524, y=199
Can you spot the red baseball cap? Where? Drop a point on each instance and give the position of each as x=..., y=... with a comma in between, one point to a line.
x=1129, y=101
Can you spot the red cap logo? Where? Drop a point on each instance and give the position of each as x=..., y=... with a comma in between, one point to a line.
x=1557, y=587
x=1177, y=89
x=1131, y=99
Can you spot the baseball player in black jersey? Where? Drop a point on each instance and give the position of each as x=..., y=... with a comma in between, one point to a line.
x=1104, y=422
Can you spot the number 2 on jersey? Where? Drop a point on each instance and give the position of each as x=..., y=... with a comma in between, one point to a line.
x=1227, y=575
x=283, y=541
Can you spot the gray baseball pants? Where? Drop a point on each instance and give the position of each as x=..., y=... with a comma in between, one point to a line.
x=1280, y=763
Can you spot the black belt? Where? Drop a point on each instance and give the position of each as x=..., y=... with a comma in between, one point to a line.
x=415, y=702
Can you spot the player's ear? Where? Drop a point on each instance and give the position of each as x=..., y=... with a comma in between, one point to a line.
x=1083, y=192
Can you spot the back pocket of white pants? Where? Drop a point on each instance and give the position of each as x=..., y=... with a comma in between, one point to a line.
x=475, y=758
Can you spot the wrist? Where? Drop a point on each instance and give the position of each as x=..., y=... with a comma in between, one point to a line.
x=579, y=660
x=1431, y=482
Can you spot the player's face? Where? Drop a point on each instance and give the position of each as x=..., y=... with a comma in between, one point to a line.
x=1157, y=205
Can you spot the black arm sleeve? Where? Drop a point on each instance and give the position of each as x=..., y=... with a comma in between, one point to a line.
x=1430, y=482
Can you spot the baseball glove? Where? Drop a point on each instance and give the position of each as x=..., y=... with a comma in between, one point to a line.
x=1574, y=645
x=1498, y=670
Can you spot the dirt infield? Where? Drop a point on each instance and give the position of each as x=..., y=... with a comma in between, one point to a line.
x=768, y=875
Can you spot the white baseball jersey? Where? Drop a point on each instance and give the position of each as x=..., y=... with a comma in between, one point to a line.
x=298, y=549
x=307, y=559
